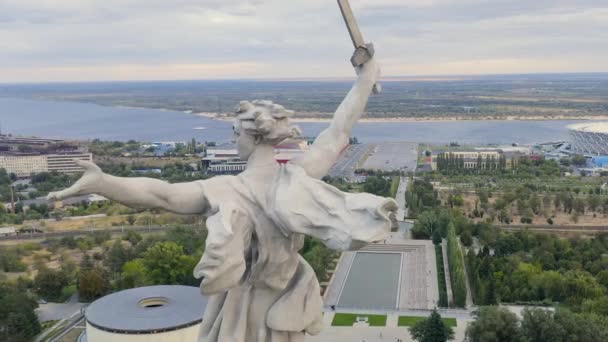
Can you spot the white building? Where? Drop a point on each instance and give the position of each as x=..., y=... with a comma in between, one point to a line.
x=146, y=314
x=225, y=159
x=24, y=165
x=8, y=231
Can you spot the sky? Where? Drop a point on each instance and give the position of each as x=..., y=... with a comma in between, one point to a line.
x=101, y=40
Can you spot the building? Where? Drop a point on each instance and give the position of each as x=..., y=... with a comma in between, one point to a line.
x=163, y=147
x=224, y=159
x=290, y=149
x=469, y=158
x=600, y=161
x=482, y=158
x=590, y=139
x=24, y=164
x=15, y=143
x=7, y=231
x=146, y=314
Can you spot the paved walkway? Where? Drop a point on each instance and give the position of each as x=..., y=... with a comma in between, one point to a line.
x=446, y=270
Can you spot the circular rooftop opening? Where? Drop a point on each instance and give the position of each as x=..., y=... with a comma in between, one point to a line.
x=154, y=302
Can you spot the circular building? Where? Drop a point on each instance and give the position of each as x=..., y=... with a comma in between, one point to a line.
x=150, y=314
x=589, y=138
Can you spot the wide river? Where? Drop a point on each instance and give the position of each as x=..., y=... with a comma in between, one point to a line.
x=90, y=121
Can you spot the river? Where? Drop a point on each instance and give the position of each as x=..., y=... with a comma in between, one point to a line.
x=73, y=120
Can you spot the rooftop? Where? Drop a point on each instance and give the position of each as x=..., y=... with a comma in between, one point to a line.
x=151, y=309
x=590, y=127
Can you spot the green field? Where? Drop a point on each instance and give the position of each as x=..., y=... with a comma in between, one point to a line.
x=348, y=319
x=408, y=321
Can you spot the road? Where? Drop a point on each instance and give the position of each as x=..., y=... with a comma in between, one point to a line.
x=64, y=233
x=58, y=311
x=558, y=229
x=400, y=198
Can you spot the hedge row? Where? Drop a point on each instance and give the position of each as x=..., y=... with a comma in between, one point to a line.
x=443, y=292
x=457, y=274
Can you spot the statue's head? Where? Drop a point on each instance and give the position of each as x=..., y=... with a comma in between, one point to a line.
x=261, y=122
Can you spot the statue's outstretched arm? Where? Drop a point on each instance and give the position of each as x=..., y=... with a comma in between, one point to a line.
x=328, y=145
x=145, y=193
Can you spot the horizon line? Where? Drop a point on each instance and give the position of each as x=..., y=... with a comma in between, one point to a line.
x=402, y=78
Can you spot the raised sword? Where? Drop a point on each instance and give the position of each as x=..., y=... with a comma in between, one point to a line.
x=363, y=51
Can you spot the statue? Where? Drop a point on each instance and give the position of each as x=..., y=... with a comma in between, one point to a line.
x=259, y=287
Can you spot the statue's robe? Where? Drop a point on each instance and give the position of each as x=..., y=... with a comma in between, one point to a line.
x=260, y=289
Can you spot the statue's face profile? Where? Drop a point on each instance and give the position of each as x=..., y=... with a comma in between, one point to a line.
x=245, y=143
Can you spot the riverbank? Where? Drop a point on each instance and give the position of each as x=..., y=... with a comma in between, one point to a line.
x=228, y=117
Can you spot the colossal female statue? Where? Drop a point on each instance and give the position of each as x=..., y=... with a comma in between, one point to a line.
x=260, y=289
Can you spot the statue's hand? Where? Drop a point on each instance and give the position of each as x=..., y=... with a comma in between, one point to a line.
x=370, y=71
x=87, y=184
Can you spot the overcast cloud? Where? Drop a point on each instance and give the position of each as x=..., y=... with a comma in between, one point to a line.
x=88, y=40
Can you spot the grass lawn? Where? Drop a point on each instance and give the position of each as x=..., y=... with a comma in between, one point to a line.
x=408, y=321
x=348, y=319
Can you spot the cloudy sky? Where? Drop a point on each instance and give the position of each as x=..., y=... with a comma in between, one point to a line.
x=89, y=40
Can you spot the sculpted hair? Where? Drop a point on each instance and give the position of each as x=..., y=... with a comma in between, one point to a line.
x=268, y=122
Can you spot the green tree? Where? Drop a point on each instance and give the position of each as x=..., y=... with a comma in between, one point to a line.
x=116, y=256
x=457, y=275
x=191, y=239
x=134, y=274
x=131, y=220
x=581, y=327
x=432, y=329
x=493, y=324
x=538, y=325
x=579, y=160
x=427, y=223
x=167, y=264
x=49, y=283
x=319, y=257
x=466, y=238
x=133, y=237
x=18, y=321
x=92, y=284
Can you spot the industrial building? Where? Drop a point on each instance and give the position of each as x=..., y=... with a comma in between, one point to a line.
x=147, y=314
x=590, y=139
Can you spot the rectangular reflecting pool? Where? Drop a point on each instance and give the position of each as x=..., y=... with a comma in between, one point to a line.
x=372, y=282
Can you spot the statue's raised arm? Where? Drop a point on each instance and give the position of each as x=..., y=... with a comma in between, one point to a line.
x=330, y=143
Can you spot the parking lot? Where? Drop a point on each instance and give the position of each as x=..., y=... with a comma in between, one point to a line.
x=392, y=156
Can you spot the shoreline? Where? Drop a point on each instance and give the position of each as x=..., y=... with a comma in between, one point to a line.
x=227, y=118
